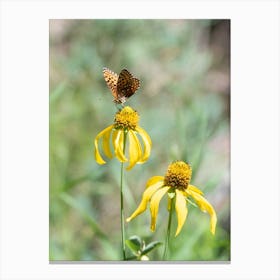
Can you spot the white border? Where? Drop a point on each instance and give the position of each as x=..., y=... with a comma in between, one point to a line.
x=254, y=130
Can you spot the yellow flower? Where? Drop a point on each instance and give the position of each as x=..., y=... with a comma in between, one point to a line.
x=124, y=133
x=176, y=184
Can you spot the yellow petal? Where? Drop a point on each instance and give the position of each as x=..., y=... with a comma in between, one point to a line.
x=204, y=205
x=106, y=143
x=195, y=189
x=147, y=143
x=135, y=151
x=145, y=199
x=118, y=141
x=154, y=180
x=154, y=204
x=181, y=210
x=97, y=155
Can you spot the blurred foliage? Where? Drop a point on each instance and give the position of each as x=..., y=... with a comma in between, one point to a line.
x=184, y=104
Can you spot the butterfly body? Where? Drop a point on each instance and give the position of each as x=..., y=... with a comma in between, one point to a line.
x=122, y=86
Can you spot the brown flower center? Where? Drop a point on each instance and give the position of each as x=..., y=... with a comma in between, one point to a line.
x=127, y=118
x=178, y=175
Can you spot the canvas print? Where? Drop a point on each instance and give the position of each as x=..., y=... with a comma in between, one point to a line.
x=139, y=140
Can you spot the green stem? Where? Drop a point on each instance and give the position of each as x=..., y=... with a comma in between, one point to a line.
x=121, y=197
x=166, y=246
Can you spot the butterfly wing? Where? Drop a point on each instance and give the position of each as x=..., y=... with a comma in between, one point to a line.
x=126, y=85
x=135, y=84
x=111, y=79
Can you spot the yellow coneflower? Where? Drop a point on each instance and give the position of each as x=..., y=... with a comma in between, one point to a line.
x=124, y=132
x=176, y=183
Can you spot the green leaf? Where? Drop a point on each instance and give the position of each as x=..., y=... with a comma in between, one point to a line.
x=134, y=243
x=191, y=202
x=151, y=247
x=69, y=200
x=131, y=258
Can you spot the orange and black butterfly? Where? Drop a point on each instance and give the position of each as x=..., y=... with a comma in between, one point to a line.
x=122, y=86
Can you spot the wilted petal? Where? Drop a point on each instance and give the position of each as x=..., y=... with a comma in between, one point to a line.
x=204, y=205
x=97, y=155
x=145, y=199
x=154, y=204
x=106, y=143
x=195, y=189
x=154, y=180
x=181, y=210
x=135, y=151
x=147, y=143
x=118, y=141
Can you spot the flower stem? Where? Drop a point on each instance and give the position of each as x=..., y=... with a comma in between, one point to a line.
x=121, y=198
x=166, y=246
x=122, y=214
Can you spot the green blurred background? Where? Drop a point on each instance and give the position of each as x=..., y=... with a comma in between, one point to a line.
x=184, y=105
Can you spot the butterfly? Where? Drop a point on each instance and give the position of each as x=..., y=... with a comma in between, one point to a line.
x=122, y=86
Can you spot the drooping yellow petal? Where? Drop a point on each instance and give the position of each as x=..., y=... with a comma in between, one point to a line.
x=154, y=204
x=97, y=155
x=154, y=180
x=147, y=143
x=181, y=210
x=195, y=189
x=204, y=205
x=145, y=199
x=135, y=151
x=118, y=139
x=106, y=143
